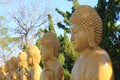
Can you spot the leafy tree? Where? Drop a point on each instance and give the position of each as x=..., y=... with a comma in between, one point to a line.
x=51, y=25
x=109, y=10
x=5, y=42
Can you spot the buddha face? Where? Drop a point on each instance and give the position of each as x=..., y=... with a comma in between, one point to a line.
x=79, y=38
x=45, y=53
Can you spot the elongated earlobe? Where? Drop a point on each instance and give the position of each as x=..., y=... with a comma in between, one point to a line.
x=90, y=36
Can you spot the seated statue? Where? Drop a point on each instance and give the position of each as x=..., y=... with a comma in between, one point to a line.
x=94, y=63
x=23, y=65
x=34, y=58
x=52, y=69
x=12, y=69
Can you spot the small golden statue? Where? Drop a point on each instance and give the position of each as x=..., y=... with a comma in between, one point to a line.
x=34, y=58
x=23, y=65
x=52, y=69
x=94, y=63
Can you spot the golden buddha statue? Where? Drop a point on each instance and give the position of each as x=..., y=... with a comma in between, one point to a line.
x=23, y=65
x=52, y=69
x=34, y=59
x=94, y=63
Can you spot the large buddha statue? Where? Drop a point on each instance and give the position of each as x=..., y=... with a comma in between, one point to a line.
x=23, y=65
x=34, y=59
x=52, y=69
x=94, y=63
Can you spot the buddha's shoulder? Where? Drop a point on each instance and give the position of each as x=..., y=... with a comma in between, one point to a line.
x=102, y=54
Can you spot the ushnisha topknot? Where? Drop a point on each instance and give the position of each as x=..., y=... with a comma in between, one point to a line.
x=87, y=17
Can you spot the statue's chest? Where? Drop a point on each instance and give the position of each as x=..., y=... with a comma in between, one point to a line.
x=85, y=68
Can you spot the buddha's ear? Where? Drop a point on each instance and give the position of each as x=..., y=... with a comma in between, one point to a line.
x=90, y=36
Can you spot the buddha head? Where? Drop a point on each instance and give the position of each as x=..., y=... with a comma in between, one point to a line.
x=34, y=56
x=22, y=59
x=49, y=46
x=13, y=64
x=86, y=28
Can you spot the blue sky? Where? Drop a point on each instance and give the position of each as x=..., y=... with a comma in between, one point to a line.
x=65, y=5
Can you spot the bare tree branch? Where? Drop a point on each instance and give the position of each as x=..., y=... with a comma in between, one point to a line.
x=29, y=21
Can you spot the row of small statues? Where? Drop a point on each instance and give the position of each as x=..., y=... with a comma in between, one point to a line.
x=94, y=63
x=26, y=66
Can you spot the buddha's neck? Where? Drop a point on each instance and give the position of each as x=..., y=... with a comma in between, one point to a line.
x=46, y=64
x=90, y=49
x=35, y=64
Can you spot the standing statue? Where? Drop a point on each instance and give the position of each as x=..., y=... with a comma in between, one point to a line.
x=12, y=69
x=94, y=63
x=52, y=69
x=34, y=58
x=23, y=65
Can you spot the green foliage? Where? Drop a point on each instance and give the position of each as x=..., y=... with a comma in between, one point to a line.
x=67, y=74
x=61, y=59
x=110, y=12
x=75, y=4
x=69, y=53
x=51, y=25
